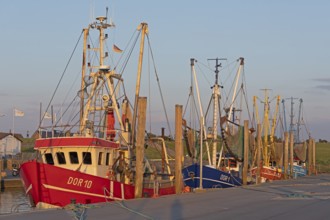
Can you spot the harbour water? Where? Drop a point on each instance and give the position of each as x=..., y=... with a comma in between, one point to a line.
x=14, y=200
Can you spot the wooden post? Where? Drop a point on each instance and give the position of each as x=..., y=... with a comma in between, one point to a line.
x=246, y=152
x=163, y=132
x=291, y=154
x=314, y=158
x=285, y=153
x=1, y=175
x=140, y=146
x=281, y=161
x=310, y=155
x=259, y=163
x=2, y=171
x=178, y=149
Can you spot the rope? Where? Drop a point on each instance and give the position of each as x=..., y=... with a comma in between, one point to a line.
x=158, y=83
x=120, y=203
x=64, y=71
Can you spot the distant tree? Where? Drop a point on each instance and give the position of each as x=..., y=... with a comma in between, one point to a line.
x=323, y=141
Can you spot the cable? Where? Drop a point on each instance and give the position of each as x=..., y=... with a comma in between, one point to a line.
x=64, y=71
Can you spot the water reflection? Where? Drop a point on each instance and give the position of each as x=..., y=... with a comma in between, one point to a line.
x=14, y=200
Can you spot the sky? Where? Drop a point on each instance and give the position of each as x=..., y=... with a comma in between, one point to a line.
x=286, y=46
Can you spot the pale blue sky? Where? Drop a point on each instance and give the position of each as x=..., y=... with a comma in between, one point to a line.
x=286, y=46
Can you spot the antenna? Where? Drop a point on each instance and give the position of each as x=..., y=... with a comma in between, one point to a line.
x=106, y=15
x=111, y=23
x=217, y=65
x=92, y=9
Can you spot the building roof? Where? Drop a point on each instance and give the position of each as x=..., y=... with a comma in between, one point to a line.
x=17, y=136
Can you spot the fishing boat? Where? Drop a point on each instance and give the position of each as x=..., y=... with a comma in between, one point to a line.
x=299, y=146
x=299, y=169
x=221, y=171
x=268, y=173
x=269, y=167
x=93, y=157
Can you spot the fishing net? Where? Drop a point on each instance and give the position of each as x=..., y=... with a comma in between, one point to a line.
x=234, y=142
x=277, y=152
x=300, y=151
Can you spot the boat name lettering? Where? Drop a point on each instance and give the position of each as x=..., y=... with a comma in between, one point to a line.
x=224, y=178
x=79, y=182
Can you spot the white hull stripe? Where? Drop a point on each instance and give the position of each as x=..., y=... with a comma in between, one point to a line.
x=28, y=189
x=79, y=192
x=211, y=180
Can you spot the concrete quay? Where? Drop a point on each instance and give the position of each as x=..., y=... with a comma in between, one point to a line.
x=303, y=198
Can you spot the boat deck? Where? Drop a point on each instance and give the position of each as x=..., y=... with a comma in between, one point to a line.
x=303, y=198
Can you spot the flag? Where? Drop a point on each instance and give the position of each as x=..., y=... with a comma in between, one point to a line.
x=18, y=113
x=47, y=115
x=116, y=49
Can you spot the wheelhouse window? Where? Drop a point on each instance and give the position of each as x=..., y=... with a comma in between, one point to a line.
x=87, y=158
x=73, y=157
x=100, y=159
x=60, y=158
x=232, y=163
x=107, y=158
x=49, y=158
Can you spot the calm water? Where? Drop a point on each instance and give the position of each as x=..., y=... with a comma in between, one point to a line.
x=13, y=200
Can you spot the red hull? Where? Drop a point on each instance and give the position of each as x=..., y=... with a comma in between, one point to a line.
x=57, y=186
x=268, y=173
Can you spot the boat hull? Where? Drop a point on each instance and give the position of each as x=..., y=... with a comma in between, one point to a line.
x=299, y=171
x=56, y=186
x=269, y=173
x=212, y=178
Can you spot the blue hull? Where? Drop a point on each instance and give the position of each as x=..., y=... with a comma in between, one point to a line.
x=298, y=171
x=212, y=178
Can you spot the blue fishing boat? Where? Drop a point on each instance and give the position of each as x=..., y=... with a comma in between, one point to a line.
x=211, y=177
x=221, y=171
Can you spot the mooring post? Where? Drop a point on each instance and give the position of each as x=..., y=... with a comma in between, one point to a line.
x=1, y=175
x=286, y=151
x=314, y=158
x=310, y=155
x=259, y=163
x=291, y=154
x=246, y=152
x=142, y=104
x=178, y=149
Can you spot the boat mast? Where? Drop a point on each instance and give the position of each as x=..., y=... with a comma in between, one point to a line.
x=192, y=63
x=292, y=125
x=103, y=70
x=275, y=117
x=291, y=116
x=299, y=121
x=241, y=64
x=256, y=109
x=272, y=134
x=143, y=27
x=266, y=127
x=83, y=73
x=216, y=97
x=284, y=116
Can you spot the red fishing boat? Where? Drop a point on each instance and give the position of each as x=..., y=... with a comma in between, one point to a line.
x=92, y=159
x=268, y=173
